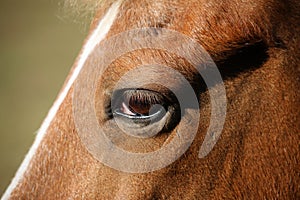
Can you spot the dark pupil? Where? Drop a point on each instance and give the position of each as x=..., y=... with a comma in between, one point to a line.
x=139, y=106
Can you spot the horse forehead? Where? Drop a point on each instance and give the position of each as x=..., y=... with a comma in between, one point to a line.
x=217, y=26
x=164, y=12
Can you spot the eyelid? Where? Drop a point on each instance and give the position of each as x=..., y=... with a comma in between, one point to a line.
x=146, y=95
x=141, y=95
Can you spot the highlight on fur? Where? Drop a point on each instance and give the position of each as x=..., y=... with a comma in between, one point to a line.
x=81, y=11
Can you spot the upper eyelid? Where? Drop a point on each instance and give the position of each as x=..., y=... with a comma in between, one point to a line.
x=162, y=93
x=148, y=96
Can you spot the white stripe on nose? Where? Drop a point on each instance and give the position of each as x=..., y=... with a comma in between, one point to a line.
x=98, y=35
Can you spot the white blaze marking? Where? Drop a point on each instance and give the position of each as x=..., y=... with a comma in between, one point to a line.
x=98, y=35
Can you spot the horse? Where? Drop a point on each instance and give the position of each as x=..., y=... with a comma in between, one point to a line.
x=134, y=75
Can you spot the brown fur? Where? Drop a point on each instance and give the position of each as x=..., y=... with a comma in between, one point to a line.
x=257, y=156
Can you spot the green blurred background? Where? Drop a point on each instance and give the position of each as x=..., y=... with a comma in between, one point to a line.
x=38, y=45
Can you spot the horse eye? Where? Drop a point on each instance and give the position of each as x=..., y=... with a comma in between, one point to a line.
x=138, y=104
x=144, y=113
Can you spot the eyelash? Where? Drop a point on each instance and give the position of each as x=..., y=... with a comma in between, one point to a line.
x=142, y=97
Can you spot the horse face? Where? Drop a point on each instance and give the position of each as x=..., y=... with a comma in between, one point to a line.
x=255, y=46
